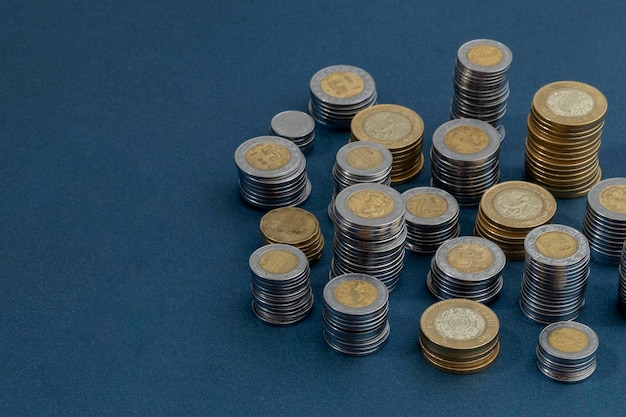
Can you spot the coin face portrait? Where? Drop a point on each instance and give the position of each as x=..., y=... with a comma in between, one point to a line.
x=370, y=204
x=470, y=257
x=460, y=323
x=356, y=293
x=518, y=204
x=278, y=261
x=268, y=156
x=485, y=55
x=466, y=139
x=556, y=245
x=387, y=126
x=364, y=158
x=342, y=84
x=570, y=102
x=567, y=339
x=426, y=205
x=613, y=198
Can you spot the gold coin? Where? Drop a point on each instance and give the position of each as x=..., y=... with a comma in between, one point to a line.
x=364, y=158
x=390, y=125
x=342, y=84
x=268, y=156
x=568, y=339
x=278, y=261
x=485, y=55
x=613, y=198
x=460, y=367
x=403, y=176
x=355, y=293
x=466, y=139
x=370, y=204
x=289, y=225
x=427, y=205
x=556, y=245
x=470, y=257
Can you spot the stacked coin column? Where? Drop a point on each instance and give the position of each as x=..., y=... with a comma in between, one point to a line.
x=296, y=126
x=622, y=280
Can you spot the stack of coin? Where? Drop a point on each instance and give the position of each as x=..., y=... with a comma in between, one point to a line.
x=397, y=128
x=432, y=217
x=369, y=232
x=355, y=314
x=338, y=93
x=360, y=162
x=605, y=220
x=467, y=267
x=481, y=86
x=296, y=126
x=564, y=134
x=509, y=210
x=280, y=284
x=272, y=172
x=566, y=351
x=556, y=270
x=459, y=336
x=464, y=159
x=622, y=279
x=294, y=226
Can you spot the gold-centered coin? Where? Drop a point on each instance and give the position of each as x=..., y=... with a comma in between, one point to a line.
x=568, y=339
x=370, y=204
x=466, y=139
x=570, y=104
x=289, y=225
x=613, y=198
x=387, y=126
x=426, y=205
x=556, y=245
x=364, y=158
x=355, y=293
x=278, y=261
x=518, y=204
x=470, y=257
x=485, y=55
x=342, y=84
x=268, y=156
x=396, y=127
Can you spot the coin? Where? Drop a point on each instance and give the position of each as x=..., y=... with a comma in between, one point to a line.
x=296, y=126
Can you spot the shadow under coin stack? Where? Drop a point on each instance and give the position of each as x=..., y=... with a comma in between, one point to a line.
x=280, y=284
x=432, y=217
x=296, y=126
x=459, y=336
x=296, y=227
x=357, y=163
x=564, y=134
x=464, y=159
x=355, y=314
x=605, y=220
x=566, y=351
x=467, y=267
x=509, y=210
x=555, y=274
x=272, y=172
x=338, y=93
x=397, y=128
x=369, y=233
x=481, y=86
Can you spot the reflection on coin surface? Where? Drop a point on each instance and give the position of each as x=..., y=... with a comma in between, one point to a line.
x=278, y=261
x=364, y=158
x=342, y=84
x=370, y=204
x=518, y=204
x=556, y=245
x=289, y=225
x=567, y=339
x=355, y=293
x=470, y=257
x=459, y=323
x=426, y=205
x=613, y=198
x=268, y=156
x=570, y=102
x=485, y=55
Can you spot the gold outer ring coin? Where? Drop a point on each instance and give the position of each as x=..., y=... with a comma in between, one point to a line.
x=390, y=125
x=462, y=370
x=290, y=225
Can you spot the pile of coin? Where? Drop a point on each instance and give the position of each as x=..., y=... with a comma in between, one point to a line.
x=566, y=351
x=605, y=220
x=338, y=93
x=622, y=279
x=459, y=336
x=509, y=210
x=355, y=314
x=464, y=159
x=467, y=267
x=296, y=227
x=564, y=134
x=369, y=233
x=296, y=126
x=432, y=217
x=272, y=172
x=481, y=86
x=280, y=284
x=397, y=128
x=556, y=270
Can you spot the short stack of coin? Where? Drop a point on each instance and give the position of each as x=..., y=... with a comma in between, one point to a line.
x=605, y=220
x=280, y=284
x=296, y=126
x=355, y=314
x=272, y=172
x=397, y=128
x=467, y=267
x=432, y=217
x=338, y=93
x=564, y=135
x=481, y=86
x=509, y=210
x=294, y=226
x=370, y=232
x=566, y=351
x=464, y=159
x=622, y=280
x=556, y=270
x=459, y=336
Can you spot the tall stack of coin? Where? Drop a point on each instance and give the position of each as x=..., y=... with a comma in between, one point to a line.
x=355, y=314
x=397, y=128
x=369, y=232
x=464, y=159
x=338, y=93
x=459, y=336
x=296, y=126
x=467, y=267
x=556, y=270
x=294, y=226
x=280, y=284
x=432, y=217
x=272, y=172
x=566, y=351
x=509, y=210
x=564, y=134
x=622, y=280
x=481, y=86
x=605, y=220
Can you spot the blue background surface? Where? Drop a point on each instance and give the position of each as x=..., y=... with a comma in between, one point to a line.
x=124, y=281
